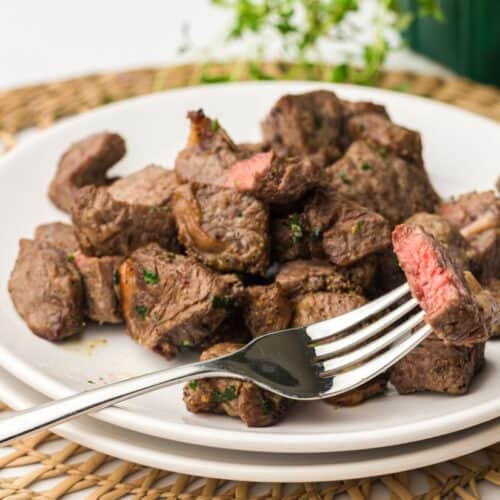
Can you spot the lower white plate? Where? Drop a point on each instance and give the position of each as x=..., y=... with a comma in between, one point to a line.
x=251, y=466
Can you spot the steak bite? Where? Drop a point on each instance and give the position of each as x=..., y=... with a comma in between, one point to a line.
x=266, y=309
x=318, y=306
x=289, y=237
x=275, y=180
x=223, y=228
x=47, y=290
x=446, y=234
x=58, y=234
x=101, y=283
x=308, y=124
x=383, y=183
x=477, y=215
x=300, y=277
x=236, y=398
x=348, y=232
x=209, y=152
x=134, y=211
x=384, y=135
x=437, y=367
x=171, y=301
x=440, y=287
x=85, y=162
x=354, y=108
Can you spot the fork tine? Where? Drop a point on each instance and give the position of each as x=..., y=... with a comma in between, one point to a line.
x=368, y=350
x=351, y=379
x=328, y=350
x=331, y=327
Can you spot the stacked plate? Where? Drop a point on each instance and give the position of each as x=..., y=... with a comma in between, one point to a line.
x=315, y=442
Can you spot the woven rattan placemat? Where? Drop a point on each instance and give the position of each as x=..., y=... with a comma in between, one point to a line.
x=48, y=467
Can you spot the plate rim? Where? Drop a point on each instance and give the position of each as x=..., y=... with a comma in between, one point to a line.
x=250, y=440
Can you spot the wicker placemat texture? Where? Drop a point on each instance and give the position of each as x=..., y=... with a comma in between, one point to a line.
x=47, y=467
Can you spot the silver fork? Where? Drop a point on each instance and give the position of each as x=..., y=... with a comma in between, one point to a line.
x=315, y=362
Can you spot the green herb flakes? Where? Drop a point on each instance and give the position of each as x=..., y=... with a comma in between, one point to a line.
x=382, y=152
x=228, y=394
x=344, y=178
x=366, y=166
x=295, y=226
x=356, y=228
x=193, y=384
x=71, y=257
x=186, y=343
x=151, y=277
x=214, y=125
x=141, y=310
x=316, y=233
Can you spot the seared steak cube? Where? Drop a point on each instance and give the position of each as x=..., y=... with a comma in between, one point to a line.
x=275, y=180
x=308, y=124
x=236, y=398
x=208, y=153
x=290, y=237
x=354, y=397
x=300, y=277
x=318, y=306
x=132, y=212
x=447, y=234
x=353, y=108
x=171, y=301
x=85, y=162
x=377, y=130
x=477, y=215
x=224, y=229
x=440, y=287
x=383, y=183
x=266, y=309
x=47, y=290
x=58, y=234
x=348, y=232
x=101, y=282
x=437, y=367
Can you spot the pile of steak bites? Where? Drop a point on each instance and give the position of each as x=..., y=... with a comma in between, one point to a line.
x=332, y=209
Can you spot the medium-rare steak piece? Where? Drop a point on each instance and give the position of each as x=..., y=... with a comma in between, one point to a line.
x=266, y=309
x=477, y=215
x=132, y=212
x=275, y=180
x=308, y=124
x=58, y=234
x=85, y=162
x=447, y=234
x=171, y=301
x=374, y=387
x=208, y=153
x=47, y=290
x=101, y=283
x=377, y=130
x=300, y=277
x=437, y=367
x=318, y=306
x=236, y=398
x=223, y=228
x=348, y=231
x=384, y=183
x=440, y=287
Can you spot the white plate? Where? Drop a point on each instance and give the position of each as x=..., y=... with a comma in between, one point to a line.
x=461, y=151
x=252, y=466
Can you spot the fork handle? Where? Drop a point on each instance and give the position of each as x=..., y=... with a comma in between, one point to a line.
x=23, y=423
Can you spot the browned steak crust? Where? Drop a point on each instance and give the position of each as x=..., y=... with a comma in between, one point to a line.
x=58, y=234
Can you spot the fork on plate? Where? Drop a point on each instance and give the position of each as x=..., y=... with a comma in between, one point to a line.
x=319, y=361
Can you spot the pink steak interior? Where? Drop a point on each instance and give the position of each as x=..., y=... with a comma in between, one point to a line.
x=243, y=174
x=433, y=285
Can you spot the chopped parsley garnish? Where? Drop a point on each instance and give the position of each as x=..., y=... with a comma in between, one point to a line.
x=296, y=228
x=344, y=178
x=71, y=257
x=316, y=233
x=186, y=343
x=151, y=277
x=366, y=166
x=193, y=384
x=228, y=394
x=358, y=226
x=141, y=310
x=223, y=302
x=382, y=152
x=214, y=125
